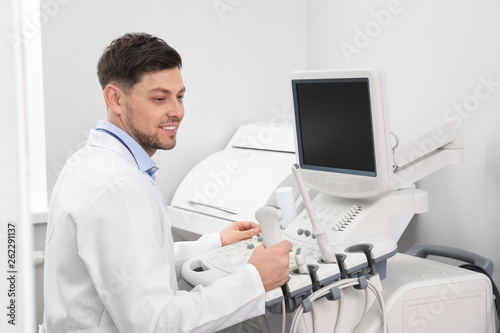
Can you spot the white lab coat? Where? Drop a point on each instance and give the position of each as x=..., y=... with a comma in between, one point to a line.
x=110, y=256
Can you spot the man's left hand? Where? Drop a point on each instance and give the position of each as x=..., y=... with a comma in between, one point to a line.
x=238, y=231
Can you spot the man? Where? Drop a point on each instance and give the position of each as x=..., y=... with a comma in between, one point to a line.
x=111, y=263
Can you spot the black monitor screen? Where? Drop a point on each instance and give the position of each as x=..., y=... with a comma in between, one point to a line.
x=334, y=125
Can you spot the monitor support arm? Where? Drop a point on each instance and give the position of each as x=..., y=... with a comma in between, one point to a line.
x=426, y=150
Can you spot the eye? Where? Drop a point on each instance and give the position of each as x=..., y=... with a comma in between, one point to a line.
x=159, y=99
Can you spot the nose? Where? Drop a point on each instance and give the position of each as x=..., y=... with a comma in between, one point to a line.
x=176, y=109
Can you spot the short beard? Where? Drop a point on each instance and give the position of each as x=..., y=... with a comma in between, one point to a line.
x=145, y=140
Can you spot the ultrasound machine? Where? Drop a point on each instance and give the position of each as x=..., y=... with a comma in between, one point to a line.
x=341, y=187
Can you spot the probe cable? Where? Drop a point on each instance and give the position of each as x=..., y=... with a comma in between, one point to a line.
x=341, y=285
x=365, y=310
x=340, y=312
x=317, y=294
x=283, y=319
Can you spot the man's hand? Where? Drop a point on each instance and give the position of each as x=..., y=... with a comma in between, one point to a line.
x=272, y=264
x=238, y=231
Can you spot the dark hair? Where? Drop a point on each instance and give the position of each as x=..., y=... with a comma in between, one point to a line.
x=133, y=54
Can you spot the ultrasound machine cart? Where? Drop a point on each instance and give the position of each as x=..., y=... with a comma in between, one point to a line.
x=353, y=195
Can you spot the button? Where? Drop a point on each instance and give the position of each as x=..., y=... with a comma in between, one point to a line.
x=300, y=231
x=307, y=233
x=250, y=246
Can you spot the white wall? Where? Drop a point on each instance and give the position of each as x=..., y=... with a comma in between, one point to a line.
x=436, y=56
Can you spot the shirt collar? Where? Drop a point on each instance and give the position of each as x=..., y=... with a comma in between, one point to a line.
x=143, y=160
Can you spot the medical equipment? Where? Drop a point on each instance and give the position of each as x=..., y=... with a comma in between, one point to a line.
x=285, y=199
x=242, y=177
x=327, y=254
x=344, y=114
x=346, y=274
x=269, y=218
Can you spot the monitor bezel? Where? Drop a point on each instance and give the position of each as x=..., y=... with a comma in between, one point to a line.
x=350, y=183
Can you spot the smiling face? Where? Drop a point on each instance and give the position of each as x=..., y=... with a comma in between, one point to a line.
x=152, y=111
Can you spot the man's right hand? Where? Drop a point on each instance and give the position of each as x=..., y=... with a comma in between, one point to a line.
x=272, y=264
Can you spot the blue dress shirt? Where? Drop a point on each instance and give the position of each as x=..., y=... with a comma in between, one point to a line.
x=143, y=160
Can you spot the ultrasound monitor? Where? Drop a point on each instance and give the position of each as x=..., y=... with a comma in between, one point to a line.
x=342, y=132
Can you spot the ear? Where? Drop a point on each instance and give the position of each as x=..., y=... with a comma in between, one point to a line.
x=114, y=98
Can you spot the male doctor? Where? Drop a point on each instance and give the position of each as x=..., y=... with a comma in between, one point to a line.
x=111, y=263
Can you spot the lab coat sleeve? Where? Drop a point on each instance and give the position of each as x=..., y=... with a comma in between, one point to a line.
x=120, y=242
